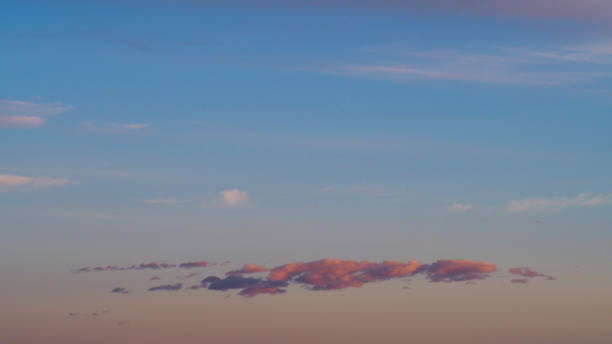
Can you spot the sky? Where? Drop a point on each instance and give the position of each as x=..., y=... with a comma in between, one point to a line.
x=306, y=171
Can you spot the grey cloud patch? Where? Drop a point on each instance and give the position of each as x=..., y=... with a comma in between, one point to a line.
x=249, y=286
x=168, y=287
x=120, y=290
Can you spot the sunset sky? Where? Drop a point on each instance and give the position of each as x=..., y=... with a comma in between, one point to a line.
x=306, y=171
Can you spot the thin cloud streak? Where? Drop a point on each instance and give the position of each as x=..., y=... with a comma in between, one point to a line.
x=569, y=65
x=534, y=204
x=145, y=266
x=13, y=182
x=114, y=128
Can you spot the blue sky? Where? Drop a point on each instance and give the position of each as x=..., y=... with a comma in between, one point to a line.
x=269, y=132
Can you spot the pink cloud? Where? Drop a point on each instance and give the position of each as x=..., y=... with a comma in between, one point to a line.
x=248, y=269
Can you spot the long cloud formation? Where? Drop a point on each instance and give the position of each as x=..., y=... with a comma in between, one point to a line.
x=328, y=274
x=335, y=274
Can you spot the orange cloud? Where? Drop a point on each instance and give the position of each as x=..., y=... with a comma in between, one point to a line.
x=328, y=274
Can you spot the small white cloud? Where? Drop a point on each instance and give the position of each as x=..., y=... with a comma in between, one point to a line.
x=12, y=182
x=114, y=128
x=234, y=197
x=21, y=114
x=460, y=207
x=557, y=203
x=164, y=201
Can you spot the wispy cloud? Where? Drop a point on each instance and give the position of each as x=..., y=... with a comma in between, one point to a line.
x=13, y=182
x=23, y=114
x=145, y=266
x=114, y=128
x=233, y=197
x=558, y=203
x=527, y=274
x=460, y=207
x=566, y=65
